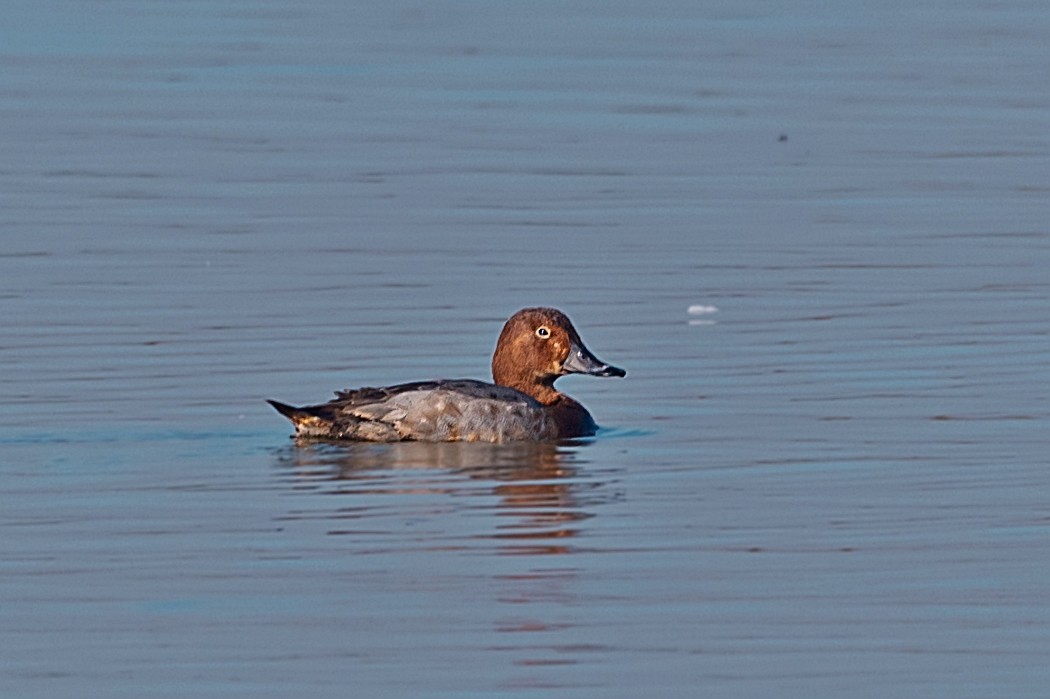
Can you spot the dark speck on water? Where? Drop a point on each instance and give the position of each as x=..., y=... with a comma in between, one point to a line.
x=825, y=476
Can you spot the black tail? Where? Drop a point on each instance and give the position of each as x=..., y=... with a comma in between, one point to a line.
x=290, y=412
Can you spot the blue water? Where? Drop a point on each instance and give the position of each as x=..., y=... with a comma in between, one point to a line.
x=815, y=236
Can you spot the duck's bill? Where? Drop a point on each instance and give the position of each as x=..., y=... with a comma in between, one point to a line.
x=581, y=361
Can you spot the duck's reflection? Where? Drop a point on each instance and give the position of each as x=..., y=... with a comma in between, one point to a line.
x=540, y=493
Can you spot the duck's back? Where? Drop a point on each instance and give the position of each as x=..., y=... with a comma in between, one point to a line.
x=427, y=411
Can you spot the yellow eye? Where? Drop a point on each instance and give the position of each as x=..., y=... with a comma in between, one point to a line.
x=543, y=331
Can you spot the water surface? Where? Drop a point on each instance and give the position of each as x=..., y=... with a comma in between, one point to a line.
x=827, y=480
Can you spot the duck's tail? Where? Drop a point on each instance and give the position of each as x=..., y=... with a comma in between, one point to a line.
x=308, y=422
x=289, y=411
x=326, y=422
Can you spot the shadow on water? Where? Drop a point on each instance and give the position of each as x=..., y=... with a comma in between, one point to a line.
x=538, y=494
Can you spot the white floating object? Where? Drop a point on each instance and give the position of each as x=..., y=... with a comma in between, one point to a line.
x=699, y=309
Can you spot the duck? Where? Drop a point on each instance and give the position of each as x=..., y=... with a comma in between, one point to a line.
x=536, y=347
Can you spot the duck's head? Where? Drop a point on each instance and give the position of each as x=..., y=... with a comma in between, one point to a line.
x=537, y=346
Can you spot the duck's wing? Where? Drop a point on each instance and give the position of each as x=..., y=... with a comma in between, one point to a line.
x=468, y=388
x=431, y=411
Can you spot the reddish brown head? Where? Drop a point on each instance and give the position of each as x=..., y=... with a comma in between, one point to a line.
x=537, y=346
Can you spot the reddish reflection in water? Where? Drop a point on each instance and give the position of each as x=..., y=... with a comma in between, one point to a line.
x=539, y=492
